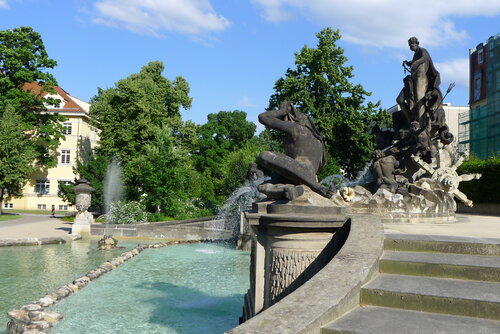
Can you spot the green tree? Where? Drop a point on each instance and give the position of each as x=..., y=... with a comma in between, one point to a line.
x=236, y=167
x=16, y=154
x=224, y=132
x=185, y=133
x=270, y=140
x=168, y=181
x=320, y=86
x=129, y=113
x=23, y=61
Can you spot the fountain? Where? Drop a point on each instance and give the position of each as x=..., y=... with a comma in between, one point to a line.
x=113, y=192
x=303, y=223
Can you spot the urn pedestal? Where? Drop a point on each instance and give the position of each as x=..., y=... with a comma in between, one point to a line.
x=83, y=218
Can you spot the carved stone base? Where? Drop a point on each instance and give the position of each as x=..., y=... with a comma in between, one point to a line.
x=291, y=243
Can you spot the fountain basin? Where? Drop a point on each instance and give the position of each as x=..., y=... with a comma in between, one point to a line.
x=167, y=290
x=27, y=272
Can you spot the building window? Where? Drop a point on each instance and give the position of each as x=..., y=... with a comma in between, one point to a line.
x=63, y=207
x=41, y=206
x=477, y=86
x=480, y=56
x=42, y=187
x=59, y=182
x=8, y=206
x=67, y=128
x=65, y=156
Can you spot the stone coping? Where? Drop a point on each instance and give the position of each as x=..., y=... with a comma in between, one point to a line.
x=330, y=293
x=442, y=238
x=37, y=318
x=32, y=241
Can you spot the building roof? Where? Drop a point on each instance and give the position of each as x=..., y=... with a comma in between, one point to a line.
x=68, y=103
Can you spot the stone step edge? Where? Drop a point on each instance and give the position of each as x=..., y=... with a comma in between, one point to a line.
x=35, y=317
x=441, y=268
x=414, y=321
x=442, y=244
x=428, y=303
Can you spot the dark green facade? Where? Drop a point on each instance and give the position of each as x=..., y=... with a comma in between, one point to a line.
x=480, y=131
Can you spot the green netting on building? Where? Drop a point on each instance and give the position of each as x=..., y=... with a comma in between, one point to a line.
x=484, y=121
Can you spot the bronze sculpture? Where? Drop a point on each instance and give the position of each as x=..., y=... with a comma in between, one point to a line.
x=304, y=155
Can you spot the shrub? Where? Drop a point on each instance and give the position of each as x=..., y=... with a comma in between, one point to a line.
x=484, y=190
x=123, y=212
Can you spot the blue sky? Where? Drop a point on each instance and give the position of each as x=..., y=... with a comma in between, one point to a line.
x=232, y=51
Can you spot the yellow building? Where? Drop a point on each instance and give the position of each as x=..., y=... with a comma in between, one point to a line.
x=40, y=193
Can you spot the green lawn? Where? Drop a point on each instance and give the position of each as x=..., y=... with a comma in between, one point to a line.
x=43, y=212
x=9, y=217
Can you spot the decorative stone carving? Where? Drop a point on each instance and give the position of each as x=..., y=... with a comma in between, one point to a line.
x=83, y=192
x=291, y=243
x=286, y=267
x=348, y=194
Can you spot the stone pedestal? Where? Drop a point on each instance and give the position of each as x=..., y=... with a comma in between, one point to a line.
x=290, y=244
x=82, y=223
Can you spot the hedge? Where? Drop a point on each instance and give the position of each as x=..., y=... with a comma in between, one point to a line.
x=487, y=188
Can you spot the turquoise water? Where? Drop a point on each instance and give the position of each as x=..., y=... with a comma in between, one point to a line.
x=195, y=288
x=29, y=272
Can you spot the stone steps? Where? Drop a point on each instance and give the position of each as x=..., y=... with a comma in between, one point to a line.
x=383, y=320
x=429, y=294
x=430, y=284
x=442, y=244
x=460, y=266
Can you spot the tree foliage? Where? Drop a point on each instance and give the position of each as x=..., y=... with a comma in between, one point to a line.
x=236, y=167
x=320, y=86
x=224, y=132
x=484, y=190
x=168, y=181
x=223, y=143
x=175, y=169
x=16, y=154
x=24, y=60
x=129, y=113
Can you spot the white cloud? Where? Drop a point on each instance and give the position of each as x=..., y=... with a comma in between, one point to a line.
x=456, y=70
x=384, y=23
x=190, y=17
x=3, y=4
x=246, y=103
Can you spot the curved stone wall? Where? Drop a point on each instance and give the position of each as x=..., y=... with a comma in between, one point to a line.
x=331, y=292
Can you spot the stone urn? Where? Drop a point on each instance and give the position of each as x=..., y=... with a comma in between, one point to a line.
x=83, y=218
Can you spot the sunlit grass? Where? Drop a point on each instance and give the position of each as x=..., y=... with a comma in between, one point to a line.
x=9, y=217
